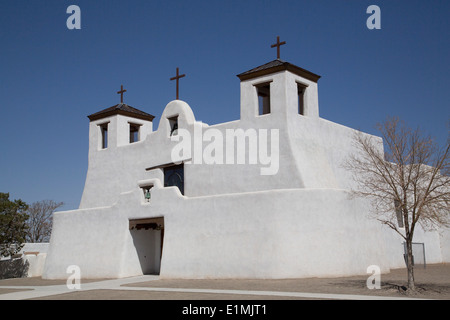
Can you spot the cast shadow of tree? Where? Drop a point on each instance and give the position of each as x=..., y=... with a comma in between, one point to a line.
x=399, y=287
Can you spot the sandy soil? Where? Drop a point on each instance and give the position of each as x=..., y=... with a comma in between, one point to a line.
x=433, y=282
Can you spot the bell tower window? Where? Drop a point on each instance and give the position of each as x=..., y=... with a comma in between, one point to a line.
x=173, y=123
x=134, y=132
x=263, y=91
x=301, y=98
x=399, y=213
x=147, y=190
x=104, y=135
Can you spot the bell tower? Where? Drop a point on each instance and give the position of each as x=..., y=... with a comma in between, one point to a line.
x=278, y=88
x=118, y=125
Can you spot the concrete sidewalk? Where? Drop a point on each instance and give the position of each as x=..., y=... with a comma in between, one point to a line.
x=133, y=288
x=22, y=292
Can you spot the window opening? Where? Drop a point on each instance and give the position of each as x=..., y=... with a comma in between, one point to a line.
x=263, y=91
x=174, y=176
x=398, y=212
x=173, y=122
x=104, y=132
x=134, y=132
x=301, y=98
x=147, y=190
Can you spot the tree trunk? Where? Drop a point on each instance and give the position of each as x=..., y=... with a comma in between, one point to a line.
x=410, y=266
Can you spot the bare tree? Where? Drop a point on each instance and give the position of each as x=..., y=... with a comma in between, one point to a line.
x=40, y=220
x=408, y=182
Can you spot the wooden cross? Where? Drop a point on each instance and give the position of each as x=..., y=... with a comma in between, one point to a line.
x=121, y=93
x=278, y=45
x=178, y=77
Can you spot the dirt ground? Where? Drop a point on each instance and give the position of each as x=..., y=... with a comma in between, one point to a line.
x=432, y=282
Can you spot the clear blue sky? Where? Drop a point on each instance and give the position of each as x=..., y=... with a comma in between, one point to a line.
x=52, y=77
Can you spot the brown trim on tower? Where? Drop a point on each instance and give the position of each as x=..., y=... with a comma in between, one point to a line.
x=121, y=112
x=277, y=66
x=164, y=165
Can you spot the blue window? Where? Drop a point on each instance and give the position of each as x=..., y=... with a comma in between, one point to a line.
x=174, y=177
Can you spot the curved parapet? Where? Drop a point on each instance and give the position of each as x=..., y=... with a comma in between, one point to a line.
x=176, y=108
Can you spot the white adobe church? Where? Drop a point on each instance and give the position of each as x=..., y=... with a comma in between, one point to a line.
x=141, y=212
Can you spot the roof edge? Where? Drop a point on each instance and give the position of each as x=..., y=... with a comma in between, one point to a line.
x=280, y=66
x=117, y=111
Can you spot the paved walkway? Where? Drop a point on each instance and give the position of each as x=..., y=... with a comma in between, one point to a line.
x=30, y=292
x=10, y=292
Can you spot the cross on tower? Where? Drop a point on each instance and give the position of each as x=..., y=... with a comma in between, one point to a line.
x=121, y=93
x=278, y=45
x=178, y=77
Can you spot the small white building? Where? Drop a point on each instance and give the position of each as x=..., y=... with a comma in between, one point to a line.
x=264, y=196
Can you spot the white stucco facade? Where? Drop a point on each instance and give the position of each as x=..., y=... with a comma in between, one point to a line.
x=232, y=221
